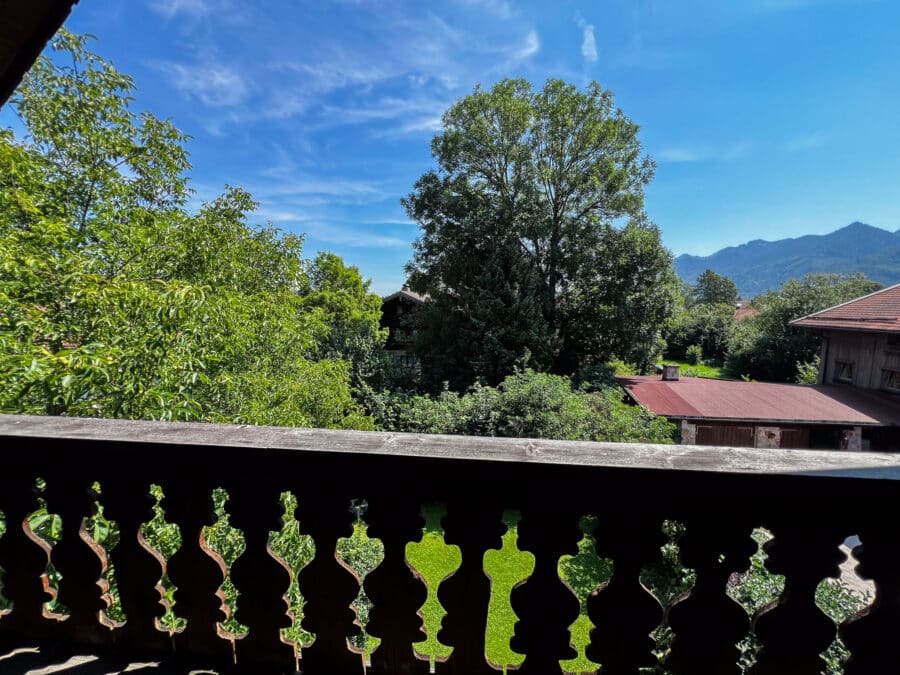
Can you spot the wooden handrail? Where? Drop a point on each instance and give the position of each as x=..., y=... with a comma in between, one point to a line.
x=745, y=461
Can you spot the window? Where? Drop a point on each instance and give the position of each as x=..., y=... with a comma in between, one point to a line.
x=893, y=342
x=890, y=380
x=843, y=371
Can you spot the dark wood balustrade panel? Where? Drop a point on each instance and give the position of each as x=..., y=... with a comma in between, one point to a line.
x=810, y=500
x=871, y=636
x=79, y=559
x=197, y=572
x=474, y=523
x=139, y=568
x=23, y=557
x=717, y=542
x=261, y=578
x=629, y=532
x=327, y=585
x=807, y=533
x=395, y=518
x=546, y=607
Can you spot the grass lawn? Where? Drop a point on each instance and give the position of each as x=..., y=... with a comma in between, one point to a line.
x=713, y=370
x=506, y=567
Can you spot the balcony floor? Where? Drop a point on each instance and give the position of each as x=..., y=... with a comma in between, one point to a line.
x=31, y=661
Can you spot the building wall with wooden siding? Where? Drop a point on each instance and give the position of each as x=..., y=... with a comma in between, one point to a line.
x=871, y=354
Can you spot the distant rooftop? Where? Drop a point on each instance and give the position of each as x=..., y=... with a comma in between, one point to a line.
x=407, y=294
x=878, y=312
x=724, y=400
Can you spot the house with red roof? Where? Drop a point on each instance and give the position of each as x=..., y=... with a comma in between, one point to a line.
x=855, y=404
x=860, y=341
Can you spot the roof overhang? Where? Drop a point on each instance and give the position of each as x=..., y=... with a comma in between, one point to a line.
x=25, y=28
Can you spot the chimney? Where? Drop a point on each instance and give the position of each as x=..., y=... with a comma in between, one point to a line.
x=670, y=373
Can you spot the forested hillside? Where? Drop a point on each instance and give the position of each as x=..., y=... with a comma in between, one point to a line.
x=759, y=266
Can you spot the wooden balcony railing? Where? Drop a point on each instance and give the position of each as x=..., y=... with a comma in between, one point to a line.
x=810, y=501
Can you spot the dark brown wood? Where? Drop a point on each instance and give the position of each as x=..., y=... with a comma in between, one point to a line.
x=794, y=631
x=623, y=612
x=396, y=593
x=725, y=435
x=707, y=623
x=871, y=636
x=130, y=504
x=546, y=607
x=327, y=585
x=25, y=28
x=466, y=594
x=197, y=572
x=261, y=578
x=23, y=557
x=79, y=559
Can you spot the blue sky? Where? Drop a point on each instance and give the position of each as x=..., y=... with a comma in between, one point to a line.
x=768, y=118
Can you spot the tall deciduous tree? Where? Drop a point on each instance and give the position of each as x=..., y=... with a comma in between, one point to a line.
x=534, y=242
x=715, y=289
x=116, y=301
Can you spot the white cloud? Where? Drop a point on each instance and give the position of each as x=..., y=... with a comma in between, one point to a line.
x=529, y=47
x=339, y=233
x=679, y=154
x=213, y=84
x=702, y=153
x=311, y=185
x=502, y=9
x=588, y=43
x=169, y=8
x=808, y=142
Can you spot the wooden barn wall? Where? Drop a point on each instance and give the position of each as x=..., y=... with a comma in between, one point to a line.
x=868, y=352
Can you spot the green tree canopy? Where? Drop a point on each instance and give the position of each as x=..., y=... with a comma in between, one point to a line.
x=715, y=289
x=533, y=239
x=766, y=347
x=116, y=301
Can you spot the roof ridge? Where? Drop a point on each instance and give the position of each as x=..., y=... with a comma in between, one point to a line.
x=813, y=315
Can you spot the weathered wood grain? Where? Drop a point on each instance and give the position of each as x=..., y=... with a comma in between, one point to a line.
x=865, y=465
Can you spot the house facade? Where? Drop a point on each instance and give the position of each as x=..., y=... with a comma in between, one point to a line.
x=860, y=341
x=397, y=314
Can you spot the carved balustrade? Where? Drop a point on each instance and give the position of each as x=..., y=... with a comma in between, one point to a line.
x=810, y=501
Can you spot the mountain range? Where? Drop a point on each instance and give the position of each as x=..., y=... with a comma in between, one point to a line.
x=759, y=266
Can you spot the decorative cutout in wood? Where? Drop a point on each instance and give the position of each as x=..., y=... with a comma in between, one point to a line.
x=361, y=554
x=229, y=543
x=584, y=573
x=506, y=568
x=433, y=560
x=163, y=538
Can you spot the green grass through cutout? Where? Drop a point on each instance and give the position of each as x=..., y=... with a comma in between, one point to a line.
x=506, y=567
x=433, y=560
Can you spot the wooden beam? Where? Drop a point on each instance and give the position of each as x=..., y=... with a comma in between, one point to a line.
x=745, y=461
x=25, y=28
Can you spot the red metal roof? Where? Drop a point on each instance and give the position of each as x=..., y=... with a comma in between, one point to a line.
x=877, y=312
x=697, y=397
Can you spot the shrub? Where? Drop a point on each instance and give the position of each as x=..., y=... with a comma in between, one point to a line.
x=526, y=404
x=808, y=373
x=694, y=355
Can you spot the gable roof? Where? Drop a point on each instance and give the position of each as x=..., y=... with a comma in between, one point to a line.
x=405, y=294
x=25, y=28
x=697, y=398
x=878, y=312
